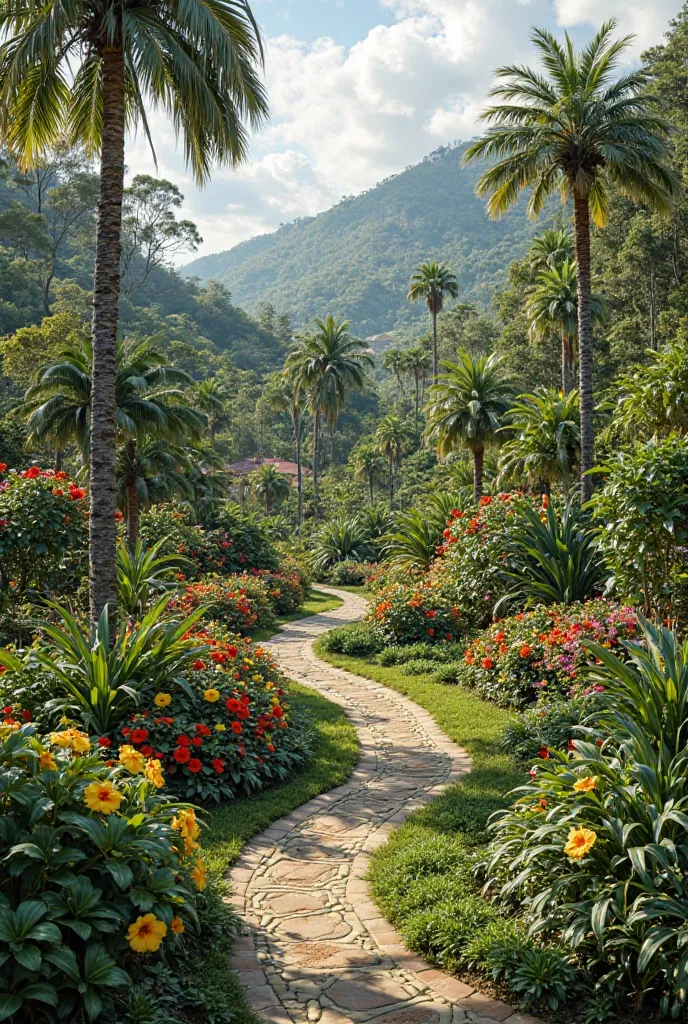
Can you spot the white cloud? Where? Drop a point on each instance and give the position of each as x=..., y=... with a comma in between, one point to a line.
x=343, y=118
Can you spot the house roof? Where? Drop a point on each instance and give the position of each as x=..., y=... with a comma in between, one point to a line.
x=247, y=466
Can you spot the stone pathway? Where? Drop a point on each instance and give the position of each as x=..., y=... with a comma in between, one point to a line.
x=315, y=947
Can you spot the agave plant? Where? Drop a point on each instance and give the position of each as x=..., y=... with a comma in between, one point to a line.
x=340, y=541
x=560, y=563
x=414, y=540
x=103, y=677
x=143, y=573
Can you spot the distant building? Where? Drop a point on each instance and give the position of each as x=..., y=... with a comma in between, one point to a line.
x=247, y=466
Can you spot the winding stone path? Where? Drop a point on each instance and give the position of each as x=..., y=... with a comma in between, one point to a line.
x=315, y=947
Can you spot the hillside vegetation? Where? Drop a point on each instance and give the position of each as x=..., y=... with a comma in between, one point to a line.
x=356, y=259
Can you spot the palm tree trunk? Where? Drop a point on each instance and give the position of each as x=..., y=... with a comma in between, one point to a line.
x=391, y=483
x=370, y=487
x=316, y=440
x=435, y=360
x=565, y=368
x=59, y=459
x=585, y=353
x=417, y=397
x=478, y=460
x=132, y=515
x=299, y=473
x=103, y=472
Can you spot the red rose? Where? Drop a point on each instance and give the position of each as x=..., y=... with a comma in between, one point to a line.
x=233, y=705
x=126, y=731
x=243, y=712
x=237, y=727
x=218, y=765
x=139, y=735
x=183, y=741
x=197, y=741
x=195, y=765
x=182, y=755
x=105, y=741
x=147, y=750
x=202, y=730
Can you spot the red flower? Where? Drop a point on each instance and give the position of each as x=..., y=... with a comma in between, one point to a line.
x=487, y=663
x=543, y=752
x=195, y=765
x=8, y=710
x=571, y=745
x=147, y=750
x=525, y=651
x=532, y=773
x=26, y=715
x=197, y=741
x=218, y=657
x=3, y=467
x=243, y=712
x=76, y=493
x=431, y=632
x=233, y=705
x=60, y=475
x=183, y=741
x=126, y=731
x=105, y=741
x=277, y=711
x=271, y=748
x=182, y=755
x=199, y=665
x=32, y=473
x=118, y=516
x=218, y=765
x=237, y=727
x=139, y=735
x=202, y=730
x=232, y=651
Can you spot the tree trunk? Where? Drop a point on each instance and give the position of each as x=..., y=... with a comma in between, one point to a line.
x=417, y=399
x=565, y=372
x=585, y=353
x=103, y=471
x=391, y=483
x=132, y=516
x=478, y=459
x=299, y=473
x=316, y=440
x=435, y=360
x=370, y=486
x=59, y=459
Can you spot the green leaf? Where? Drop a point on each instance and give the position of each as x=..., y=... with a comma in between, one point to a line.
x=9, y=1004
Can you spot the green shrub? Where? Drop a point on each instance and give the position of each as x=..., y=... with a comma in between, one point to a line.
x=399, y=655
x=221, y=599
x=549, y=724
x=545, y=975
x=349, y=574
x=442, y=932
x=81, y=882
x=342, y=540
x=356, y=638
x=420, y=667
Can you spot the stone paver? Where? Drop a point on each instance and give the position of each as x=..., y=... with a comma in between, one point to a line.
x=316, y=948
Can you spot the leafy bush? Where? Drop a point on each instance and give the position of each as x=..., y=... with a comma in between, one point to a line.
x=420, y=666
x=596, y=848
x=349, y=574
x=43, y=532
x=227, y=728
x=256, y=588
x=143, y=573
x=442, y=932
x=96, y=861
x=399, y=655
x=342, y=540
x=286, y=590
x=219, y=599
x=550, y=724
x=356, y=638
x=541, y=652
x=405, y=614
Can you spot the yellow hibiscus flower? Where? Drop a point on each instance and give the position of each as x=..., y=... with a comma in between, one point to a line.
x=585, y=785
x=81, y=744
x=198, y=875
x=61, y=739
x=212, y=695
x=132, y=760
x=47, y=761
x=162, y=700
x=185, y=822
x=102, y=797
x=146, y=933
x=153, y=772
x=581, y=841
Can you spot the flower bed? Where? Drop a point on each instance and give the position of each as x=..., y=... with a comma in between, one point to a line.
x=541, y=652
x=227, y=729
x=225, y=601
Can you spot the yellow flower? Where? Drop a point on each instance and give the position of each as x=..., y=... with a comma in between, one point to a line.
x=269, y=686
x=581, y=841
x=153, y=772
x=162, y=700
x=586, y=784
x=257, y=678
x=47, y=761
x=103, y=797
x=186, y=823
x=61, y=739
x=198, y=875
x=81, y=744
x=212, y=695
x=220, y=727
x=146, y=934
x=132, y=760
x=177, y=925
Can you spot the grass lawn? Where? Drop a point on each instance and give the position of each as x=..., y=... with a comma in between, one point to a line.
x=316, y=602
x=350, y=589
x=422, y=878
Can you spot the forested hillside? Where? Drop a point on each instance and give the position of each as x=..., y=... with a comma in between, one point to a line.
x=355, y=260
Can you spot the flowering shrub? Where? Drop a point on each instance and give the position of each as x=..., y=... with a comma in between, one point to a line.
x=285, y=588
x=230, y=729
x=97, y=864
x=404, y=614
x=226, y=602
x=260, y=590
x=542, y=652
x=43, y=531
x=350, y=574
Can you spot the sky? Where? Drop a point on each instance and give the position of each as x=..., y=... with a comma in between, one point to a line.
x=360, y=89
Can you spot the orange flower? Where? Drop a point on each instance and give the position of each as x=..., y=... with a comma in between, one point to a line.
x=177, y=925
x=586, y=785
x=146, y=934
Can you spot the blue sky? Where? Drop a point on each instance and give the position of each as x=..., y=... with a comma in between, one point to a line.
x=359, y=89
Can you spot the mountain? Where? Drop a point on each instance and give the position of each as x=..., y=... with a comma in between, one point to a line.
x=355, y=260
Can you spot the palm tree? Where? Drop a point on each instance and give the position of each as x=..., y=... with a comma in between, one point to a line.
x=544, y=440
x=269, y=485
x=550, y=249
x=430, y=283
x=149, y=401
x=149, y=471
x=290, y=398
x=417, y=363
x=394, y=360
x=579, y=130
x=392, y=440
x=83, y=70
x=367, y=465
x=554, y=303
x=211, y=395
x=467, y=406
x=326, y=364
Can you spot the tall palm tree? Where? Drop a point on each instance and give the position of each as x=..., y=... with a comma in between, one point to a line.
x=150, y=400
x=430, y=283
x=148, y=472
x=417, y=363
x=211, y=395
x=85, y=69
x=392, y=440
x=580, y=130
x=550, y=249
x=553, y=303
x=270, y=486
x=326, y=364
x=467, y=406
x=367, y=465
x=394, y=360
x=544, y=440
